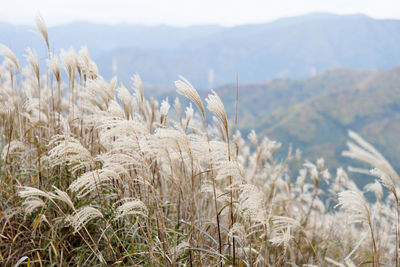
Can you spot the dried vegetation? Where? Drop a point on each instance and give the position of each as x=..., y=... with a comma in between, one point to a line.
x=93, y=173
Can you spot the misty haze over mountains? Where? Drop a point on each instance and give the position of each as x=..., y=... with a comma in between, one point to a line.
x=210, y=56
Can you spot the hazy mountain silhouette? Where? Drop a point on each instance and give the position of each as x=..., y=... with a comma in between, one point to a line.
x=290, y=47
x=315, y=114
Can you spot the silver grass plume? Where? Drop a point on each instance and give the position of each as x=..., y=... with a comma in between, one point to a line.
x=33, y=60
x=41, y=26
x=62, y=196
x=54, y=66
x=32, y=198
x=297, y=156
x=207, y=188
x=92, y=180
x=281, y=230
x=178, y=109
x=33, y=113
x=228, y=168
x=164, y=108
x=113, y=130
x=30, y=204
x=252, y=204
x=7, y=53
x=185, y=88
x=237, y=231
x=376, y=188
x=215, y=105
x=69, y=60
x=69, y=151
x=88, y=67
x=138, y=94
x=301, y=178
x=115, y=109
x=130, y=206
x=253, y=138
x=13, y=147
x=82, y=216
x=126, y=99
x=100, y=88
x=386, y=180
x=354, y=204
x=365, y=152
x=188, y=116
x=27, y=191
x=219, y=129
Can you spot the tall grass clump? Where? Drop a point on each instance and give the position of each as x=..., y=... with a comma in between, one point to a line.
x=93, y=173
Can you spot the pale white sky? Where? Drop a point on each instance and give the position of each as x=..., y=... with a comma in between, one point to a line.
x=184, y=12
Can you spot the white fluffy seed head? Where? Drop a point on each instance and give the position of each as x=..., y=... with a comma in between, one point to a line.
x=126, y=99
x=385, y=180
x=62, y=196
x=185, y=88
x=82, y=216
x=237, y=231
x=253, y=138
x=41, y=26
x=301, y=179
x=70, y=152
x=88, y=67
x=252, y=203
x=164, y=108
x=281, y=230
x=188, y=115
x=7, y=53
x=297, y=155
x=320, y=164
x=32, y=57
x=69, y=60
x=131, y=207
x=178, y=108
x=376, y=188
x=138, y=88
x=27, y=191
x=90, y=181
x=365, y=152
x=215, y=105
x=355, y=205
x=12, y=148
x=313, y=171
x=30, y=204
x=54, y=66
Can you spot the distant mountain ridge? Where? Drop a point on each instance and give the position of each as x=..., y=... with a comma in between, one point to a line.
x=315, y=114
x=211, y=55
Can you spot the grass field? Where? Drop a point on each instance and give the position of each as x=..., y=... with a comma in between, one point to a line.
x=93, y=173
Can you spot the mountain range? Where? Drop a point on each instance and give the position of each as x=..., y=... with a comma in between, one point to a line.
x=211, y=55
x=315, y=114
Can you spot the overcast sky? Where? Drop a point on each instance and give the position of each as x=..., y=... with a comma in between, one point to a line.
x=184, y=12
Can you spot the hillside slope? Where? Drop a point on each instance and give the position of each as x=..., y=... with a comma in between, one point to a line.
x=315, y=114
